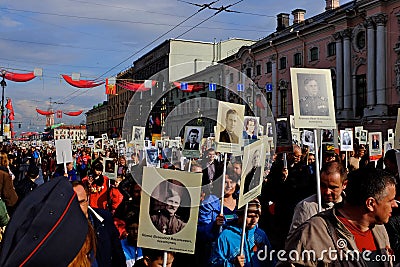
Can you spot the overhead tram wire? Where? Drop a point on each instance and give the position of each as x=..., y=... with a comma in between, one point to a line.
x=205, y=6
x=219, y=10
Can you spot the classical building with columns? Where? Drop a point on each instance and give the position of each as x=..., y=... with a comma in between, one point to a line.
x=358, y=41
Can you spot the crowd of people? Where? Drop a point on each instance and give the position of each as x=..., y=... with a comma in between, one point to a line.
x=358, y=206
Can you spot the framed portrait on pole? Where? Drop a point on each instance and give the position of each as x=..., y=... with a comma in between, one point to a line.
x=313, y=103
x=169, y=209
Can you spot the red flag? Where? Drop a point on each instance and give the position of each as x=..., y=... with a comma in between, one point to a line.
x=259, y=103
x=11, y=116
x=59, y=114
x=9, y=104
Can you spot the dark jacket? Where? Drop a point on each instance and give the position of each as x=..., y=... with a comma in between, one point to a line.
x=109, y=250
x=24, y=187
x=224, y=136
x=7, y=192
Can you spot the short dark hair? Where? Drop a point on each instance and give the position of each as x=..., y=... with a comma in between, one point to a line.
x=335, y=167
x=367, y=182
x=194, y=130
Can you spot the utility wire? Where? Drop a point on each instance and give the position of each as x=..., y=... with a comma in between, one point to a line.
x=205, y=6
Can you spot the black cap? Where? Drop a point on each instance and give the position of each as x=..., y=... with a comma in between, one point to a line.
x=48, y=228
x=33, y=171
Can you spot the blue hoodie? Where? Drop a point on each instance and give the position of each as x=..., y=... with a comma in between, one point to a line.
x=228, y=247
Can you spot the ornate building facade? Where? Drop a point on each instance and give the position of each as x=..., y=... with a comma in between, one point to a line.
x=358, y=41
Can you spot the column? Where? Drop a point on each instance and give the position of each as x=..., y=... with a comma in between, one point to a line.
x=347, y=94
x=371, y=92
x=339, y=71
x=380, y=21
x=275, y=93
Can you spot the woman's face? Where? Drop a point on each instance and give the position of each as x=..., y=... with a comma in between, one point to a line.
x=122, y=161
x=251, y=126
x=230, y=185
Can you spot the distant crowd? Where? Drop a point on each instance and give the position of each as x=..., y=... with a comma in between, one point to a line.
x=357, y=208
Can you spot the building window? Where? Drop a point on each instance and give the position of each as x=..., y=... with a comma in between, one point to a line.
x=248, y=72
x=230, y=77
x=269, y=67
x=282, y=63
x=331, y=49
x=360, y=40
x=314, y=54
x=283, y=102
x=297, y=59
x=361, y=94
x=258, y=70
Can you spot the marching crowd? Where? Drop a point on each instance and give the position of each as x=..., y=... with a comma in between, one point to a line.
x=358, y=210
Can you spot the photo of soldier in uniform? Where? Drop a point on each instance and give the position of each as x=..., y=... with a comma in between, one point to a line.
x=312, y=101
x=165, y=204
x=169, y=209
x=375, y=143
x=312, y=97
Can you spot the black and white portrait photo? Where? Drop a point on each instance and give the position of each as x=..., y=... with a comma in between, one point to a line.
x=192, y=137
x=167, y=211
x=137, y=133
x=152, y=157
x=346, y=140
x=229, y=130
x=312, y=97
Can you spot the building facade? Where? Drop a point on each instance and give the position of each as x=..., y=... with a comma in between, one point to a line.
x=357, y=41
x=170, y=61
x=96, y=120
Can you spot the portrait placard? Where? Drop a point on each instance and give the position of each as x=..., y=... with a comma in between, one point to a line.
x=90, y=141
x=192, y=139
x=283, y=136
x=63, y=151
x=363, y=137
x=122, y=147
x=346, y=140
x=357, y=132
x=169, y=208
x=390, y=136
x=110, y=168
x=387, y=146
x=308, y=139
x=375, y=143
x=229, y=135
x=98, y=145
x=253, y=171
x=313, y=105
x=152, y=157
x=104, y=136
x=138, y=134
x=296, y=137
x=250, y=129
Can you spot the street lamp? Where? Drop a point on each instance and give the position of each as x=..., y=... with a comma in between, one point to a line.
x=3, y=85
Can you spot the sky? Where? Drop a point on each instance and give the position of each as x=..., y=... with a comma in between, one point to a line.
x=99, y=39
